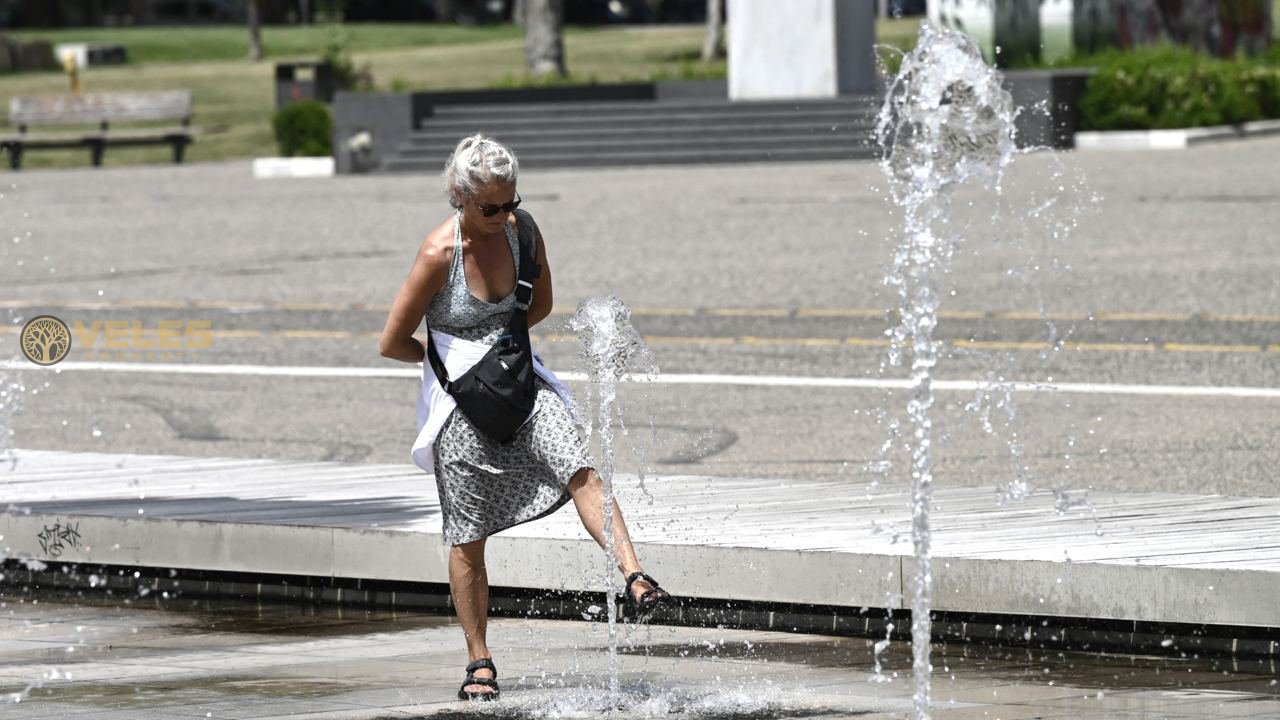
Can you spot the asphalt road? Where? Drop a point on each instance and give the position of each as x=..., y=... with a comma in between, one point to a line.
x=1128, y=275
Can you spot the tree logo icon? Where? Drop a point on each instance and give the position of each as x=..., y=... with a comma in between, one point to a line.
x=45, y=340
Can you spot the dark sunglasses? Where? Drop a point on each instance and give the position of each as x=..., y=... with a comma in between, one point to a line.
x=491, y=210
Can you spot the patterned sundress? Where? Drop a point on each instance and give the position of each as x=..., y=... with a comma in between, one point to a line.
x=486, y=486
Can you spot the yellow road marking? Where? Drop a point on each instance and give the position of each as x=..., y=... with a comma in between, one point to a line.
x=235, y=333
x=1001, y=345
x=88, y=305
x=867, y=342
x=1111, y=347
x=307, y=306
x=841, y=313
x=872, y=313
x=749, y=312
x=1244, y=318
x=1137, y=316
x=1036, y=315
x=162, y=304
x=227, y=305
x=679, y=340
x=1183, y=347
x=314, y=333
x=958, y=314
x=665, y=312
x=15, y=329
x=810, y=342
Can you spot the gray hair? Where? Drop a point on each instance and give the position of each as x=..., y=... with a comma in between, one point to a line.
x=478, y=160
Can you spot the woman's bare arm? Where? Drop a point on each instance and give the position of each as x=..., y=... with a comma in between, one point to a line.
x=426, y=278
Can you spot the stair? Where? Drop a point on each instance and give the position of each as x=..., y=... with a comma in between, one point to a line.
x=647, y=132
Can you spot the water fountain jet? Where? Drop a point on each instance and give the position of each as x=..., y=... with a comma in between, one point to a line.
x=946, y=120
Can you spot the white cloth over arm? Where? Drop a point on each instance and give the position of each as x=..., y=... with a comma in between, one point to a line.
x=435, y=405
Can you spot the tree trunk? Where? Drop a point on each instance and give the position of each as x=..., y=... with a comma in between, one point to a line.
x=520, y=12
x=544, y=37
x=713, y=45
x=255, y=31
x=304, y=12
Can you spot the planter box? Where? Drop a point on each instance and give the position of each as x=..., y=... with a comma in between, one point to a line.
x=293, y=167
x=1050, y=100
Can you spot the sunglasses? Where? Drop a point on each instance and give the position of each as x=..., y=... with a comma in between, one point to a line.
x=491, y=210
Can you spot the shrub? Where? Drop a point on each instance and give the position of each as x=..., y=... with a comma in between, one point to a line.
x=303, y=128
x=1168, y=87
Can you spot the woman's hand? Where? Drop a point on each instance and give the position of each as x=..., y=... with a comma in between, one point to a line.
x=426, y=278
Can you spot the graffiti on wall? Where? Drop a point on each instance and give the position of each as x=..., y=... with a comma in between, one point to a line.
x=58, y=537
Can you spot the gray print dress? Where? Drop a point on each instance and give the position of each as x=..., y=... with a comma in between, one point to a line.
x=486, y=486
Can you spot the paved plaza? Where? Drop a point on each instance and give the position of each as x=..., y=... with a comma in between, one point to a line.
x=190, y=659
x=1112, y=351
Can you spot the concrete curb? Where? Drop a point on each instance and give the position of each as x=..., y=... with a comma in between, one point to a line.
x=1172, y=139
x=293, y=167
x=136, y=585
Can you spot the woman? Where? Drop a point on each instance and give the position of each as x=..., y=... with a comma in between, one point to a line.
x=463, y=282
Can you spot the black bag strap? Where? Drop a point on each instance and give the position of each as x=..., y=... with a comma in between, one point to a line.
x=526, y=233
x=530, y=270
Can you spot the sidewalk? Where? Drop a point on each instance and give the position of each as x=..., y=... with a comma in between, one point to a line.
x=266, y=661
x=1202, y=560
x=785, y=557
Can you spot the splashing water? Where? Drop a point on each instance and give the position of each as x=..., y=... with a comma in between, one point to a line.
x=946, y=120
x=609, y=350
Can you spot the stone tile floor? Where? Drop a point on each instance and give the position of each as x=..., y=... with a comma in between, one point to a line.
x=95, y=658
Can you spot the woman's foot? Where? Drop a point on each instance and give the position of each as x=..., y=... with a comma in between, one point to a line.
x=645, y=595
x=481, y=682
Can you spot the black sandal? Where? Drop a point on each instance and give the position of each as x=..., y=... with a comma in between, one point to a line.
x=649, y=600
x=481, y=664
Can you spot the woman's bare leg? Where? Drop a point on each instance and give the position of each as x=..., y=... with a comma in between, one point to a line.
x=587, y=490
x=469, y=585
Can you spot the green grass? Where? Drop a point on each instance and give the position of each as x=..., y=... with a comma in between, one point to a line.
x=240, y=95
x=199, y=44
x=231, y=92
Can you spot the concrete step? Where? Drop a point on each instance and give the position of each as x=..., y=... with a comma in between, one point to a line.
x=629, y=107
x=533, y=146
x=655, y=157
x=520, y=138
x=506, y=120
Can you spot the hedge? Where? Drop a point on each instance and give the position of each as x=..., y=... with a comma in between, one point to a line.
x=1169, y=87
x=303, y=128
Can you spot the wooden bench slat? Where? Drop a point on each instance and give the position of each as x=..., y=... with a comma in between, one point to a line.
x=99, y=107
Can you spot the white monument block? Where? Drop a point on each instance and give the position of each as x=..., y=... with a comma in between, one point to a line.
x=801, y=48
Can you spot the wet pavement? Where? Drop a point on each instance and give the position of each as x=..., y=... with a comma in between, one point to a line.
x=93, y=658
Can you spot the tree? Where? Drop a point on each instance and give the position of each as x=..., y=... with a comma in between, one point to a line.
x=544, y=37
x=255, y=31
x=713, y=46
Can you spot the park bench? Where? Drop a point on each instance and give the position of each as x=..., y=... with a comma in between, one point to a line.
x=100, y=109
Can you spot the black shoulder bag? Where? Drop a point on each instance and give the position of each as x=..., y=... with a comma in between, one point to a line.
x=497, y=393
